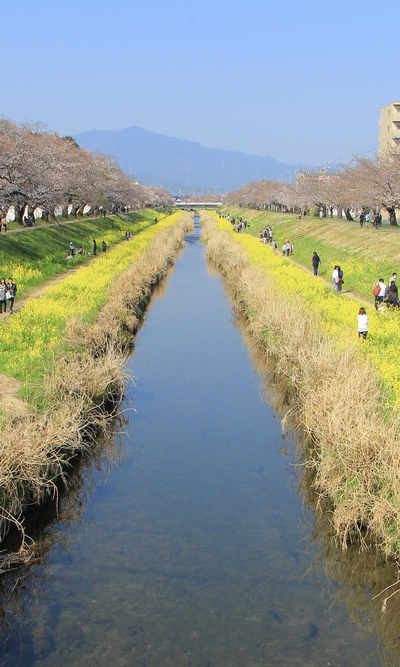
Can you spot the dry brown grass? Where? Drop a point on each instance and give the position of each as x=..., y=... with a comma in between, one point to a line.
x=12, y=405
x=353, y=442
x=81, y=390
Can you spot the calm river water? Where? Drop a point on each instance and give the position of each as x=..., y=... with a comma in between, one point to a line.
x=198, y=548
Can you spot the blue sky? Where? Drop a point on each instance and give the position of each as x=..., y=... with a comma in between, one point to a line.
x=302, y=82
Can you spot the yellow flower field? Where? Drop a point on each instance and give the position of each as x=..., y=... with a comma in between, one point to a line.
x=30, y=335
x=337, y=313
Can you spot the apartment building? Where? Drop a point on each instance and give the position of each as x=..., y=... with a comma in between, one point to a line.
x=389, y=127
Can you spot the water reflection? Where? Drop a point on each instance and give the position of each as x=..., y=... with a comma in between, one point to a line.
x=53, y=526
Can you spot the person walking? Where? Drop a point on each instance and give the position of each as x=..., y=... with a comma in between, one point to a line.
x=94, y=247
x=335, y=279
x=381, y=294
x=10, y=293
x=341, y=281
x=362, y=218
x=3, y=302
x=362, y=321
x=315, y=261
x=104, y=246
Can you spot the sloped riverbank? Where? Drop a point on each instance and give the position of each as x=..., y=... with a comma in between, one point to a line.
x=195, y=549
x=82, y=380
x=336, y=397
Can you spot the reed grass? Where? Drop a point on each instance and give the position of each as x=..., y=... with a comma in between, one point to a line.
x=336, y=397
x=83, y=383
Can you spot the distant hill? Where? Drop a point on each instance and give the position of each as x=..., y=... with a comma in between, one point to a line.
x=180, y=166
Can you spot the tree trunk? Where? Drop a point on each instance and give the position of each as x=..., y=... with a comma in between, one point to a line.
x=392, y=215
x=19, y=212
x=348, y=214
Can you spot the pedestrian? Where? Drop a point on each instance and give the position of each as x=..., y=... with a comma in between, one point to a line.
x=10, y=293
x=362, y=319
x=335, y=278
x=341, y=281
x=94, y=247
x=392, y=278
x=381, y=294
x=104, y=246
x=315, y=261
x=362, y=218
x=72, y=248
x=392, y=295
x=3, y=302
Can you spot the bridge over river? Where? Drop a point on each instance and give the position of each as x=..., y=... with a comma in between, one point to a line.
x=189, y=205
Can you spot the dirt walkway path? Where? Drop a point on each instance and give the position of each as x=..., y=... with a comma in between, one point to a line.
x=349, y=293
x=36, y=292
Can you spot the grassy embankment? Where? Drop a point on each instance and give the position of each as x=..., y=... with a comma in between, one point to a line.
x=37, y=254
x=64, y=353
x=364, y=255
x=344, y=394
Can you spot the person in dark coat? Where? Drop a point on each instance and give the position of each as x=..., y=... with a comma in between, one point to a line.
x=315, y=261
x=392, y=295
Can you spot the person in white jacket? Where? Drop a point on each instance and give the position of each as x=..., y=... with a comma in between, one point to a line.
x=362, y=318
x=335, y=279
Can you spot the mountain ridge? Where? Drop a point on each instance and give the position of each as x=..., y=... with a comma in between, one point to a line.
x=182, y=166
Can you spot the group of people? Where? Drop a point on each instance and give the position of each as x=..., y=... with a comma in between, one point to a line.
x=8, y=291
x=81, y=251
x=267, y=235
x=386, y=295
x=337, y=273
x=337, y=278
x=287, y=248
x=383, y=295
x=239, y=226
x=376, y=219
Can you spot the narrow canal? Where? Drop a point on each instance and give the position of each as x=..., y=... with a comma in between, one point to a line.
x=196, y=549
